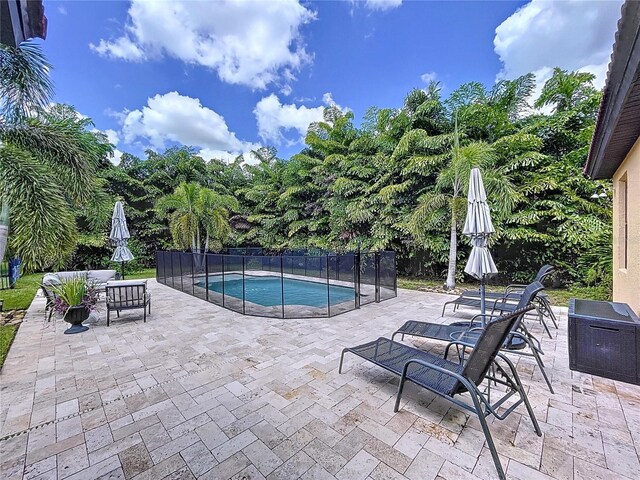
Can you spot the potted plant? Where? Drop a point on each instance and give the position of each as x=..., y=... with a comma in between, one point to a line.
x=75, y=299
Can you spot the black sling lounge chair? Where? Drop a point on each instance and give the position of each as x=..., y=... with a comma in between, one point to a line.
x=506, y=301
x=516, y=342
x=449, y=379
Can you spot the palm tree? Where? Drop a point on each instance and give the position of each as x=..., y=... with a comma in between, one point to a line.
x=48, y=159
x=196, y=212
x=446, y=204
x=564, y=90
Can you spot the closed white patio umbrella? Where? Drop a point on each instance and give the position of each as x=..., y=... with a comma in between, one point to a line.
x=119, y=236
x=478, y=227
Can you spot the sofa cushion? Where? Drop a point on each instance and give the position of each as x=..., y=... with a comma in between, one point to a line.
x=50, y=279
x=101, y=276
x=70, y=275
x=57, y=277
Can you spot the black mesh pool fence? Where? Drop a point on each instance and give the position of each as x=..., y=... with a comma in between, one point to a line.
x=294, y=285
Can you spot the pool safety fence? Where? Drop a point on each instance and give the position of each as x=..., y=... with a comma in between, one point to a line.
x=292, y=285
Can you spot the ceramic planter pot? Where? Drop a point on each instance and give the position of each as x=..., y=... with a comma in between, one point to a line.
x=75, y=316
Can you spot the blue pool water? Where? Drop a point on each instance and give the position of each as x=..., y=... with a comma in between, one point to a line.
x=267, y=290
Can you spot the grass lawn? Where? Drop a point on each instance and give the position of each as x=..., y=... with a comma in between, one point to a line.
x=146, y=273
x=20, y=296
x=558, y=296
x=7, y=332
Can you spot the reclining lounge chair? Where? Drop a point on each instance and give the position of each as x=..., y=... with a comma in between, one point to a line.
x=449, y=379
x=518, y=339
x=505, y=301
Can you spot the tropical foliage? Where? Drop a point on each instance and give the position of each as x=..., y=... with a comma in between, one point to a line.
x=397, y=179
x=48, y=161
x=197, y=212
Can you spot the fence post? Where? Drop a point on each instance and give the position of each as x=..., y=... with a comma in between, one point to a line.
x=181, y=282
x=243, y=301
x=377, y=281
x=281, y=284
x=222, y=262
x=356, y=277
x=206, y=276
x=193, y=273
x=328, y=289
x=395, y=275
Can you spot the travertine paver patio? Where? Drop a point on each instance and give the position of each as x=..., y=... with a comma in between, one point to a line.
x=199, y=391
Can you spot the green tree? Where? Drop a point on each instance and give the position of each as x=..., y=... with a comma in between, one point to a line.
x=198, y=216
x=565, y=90
x=48, y=160
x=447, y=203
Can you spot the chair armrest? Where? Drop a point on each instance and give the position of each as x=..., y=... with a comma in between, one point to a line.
x=457, y=343
x=491, y=315
x=513, y=289
x=526, y=335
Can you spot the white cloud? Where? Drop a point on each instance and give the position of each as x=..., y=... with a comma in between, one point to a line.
x=117, y=156
x=249, y=43
x=119, y=48
x=573, y=35
x=62, y=10
x=177, y=118
x=379, y=5
x=274, y=118
x=209, y=154
x=429, y=77
x=112, y=136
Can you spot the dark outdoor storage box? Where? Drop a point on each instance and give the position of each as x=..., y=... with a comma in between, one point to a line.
x=604, y=340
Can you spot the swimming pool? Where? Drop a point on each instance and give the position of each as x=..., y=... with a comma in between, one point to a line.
x=266, y=290
x=290, y=285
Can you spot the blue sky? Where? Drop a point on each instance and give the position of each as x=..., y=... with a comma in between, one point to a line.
x=228, y=77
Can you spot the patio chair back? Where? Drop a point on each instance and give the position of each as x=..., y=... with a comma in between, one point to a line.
x=526, y=299
x=487, y=347
x=126, y=294
x=544, y=272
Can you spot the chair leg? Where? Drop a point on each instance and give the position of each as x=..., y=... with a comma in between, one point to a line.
x=487, y=435
x=341, y=359
x=144, y=315
x=547, y=309
x=536, y=355
x=541, y=318
x=108, y=316
x=400, y=388
x=118, y=313
x=524, y=396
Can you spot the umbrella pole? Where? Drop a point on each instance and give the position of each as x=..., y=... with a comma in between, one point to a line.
x=482, y=301
x=122, y=269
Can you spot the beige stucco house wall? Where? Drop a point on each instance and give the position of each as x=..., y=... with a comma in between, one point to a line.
x=615, y=153
x=626, y=230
